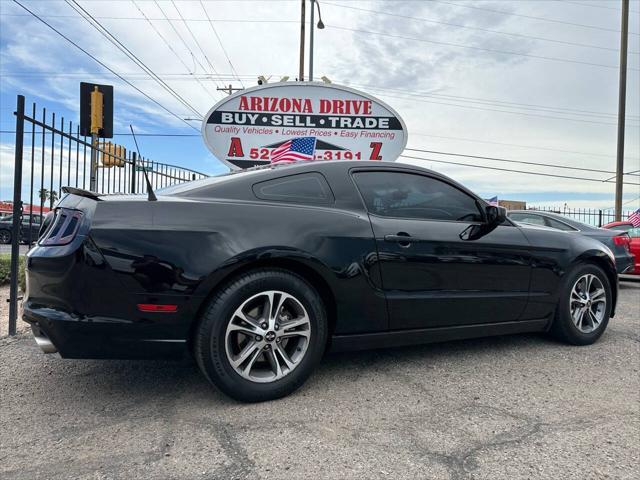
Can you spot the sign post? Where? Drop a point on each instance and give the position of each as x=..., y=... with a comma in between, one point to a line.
x=289, y=121
x=96, y=120
x=96, y=126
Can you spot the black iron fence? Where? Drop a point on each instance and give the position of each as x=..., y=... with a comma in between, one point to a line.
x=591, y=216
x=50, y=154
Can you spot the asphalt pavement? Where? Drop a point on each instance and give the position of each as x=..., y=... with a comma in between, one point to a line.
x=515, y=407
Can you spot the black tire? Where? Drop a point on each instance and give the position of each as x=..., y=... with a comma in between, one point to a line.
x=5, y=236
x=209, y=344
x=563, y=327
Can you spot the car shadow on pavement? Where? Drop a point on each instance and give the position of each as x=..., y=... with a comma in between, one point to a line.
x=164, y=381
x=134, y=381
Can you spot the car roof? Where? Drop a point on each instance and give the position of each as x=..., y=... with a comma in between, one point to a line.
x=265, y=172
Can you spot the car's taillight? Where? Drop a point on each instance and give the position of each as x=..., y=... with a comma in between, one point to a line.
x=46, y=223
x=622, y=240
x=62, y=229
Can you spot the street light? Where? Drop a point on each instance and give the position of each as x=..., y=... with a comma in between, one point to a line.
x=314, y=3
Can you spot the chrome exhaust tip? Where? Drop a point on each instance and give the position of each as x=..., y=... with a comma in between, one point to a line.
x=43, y=341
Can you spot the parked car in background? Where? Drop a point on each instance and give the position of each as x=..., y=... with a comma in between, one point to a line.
x=258, y=272
x=618, y=241
x=33, y=226
x=634, y=245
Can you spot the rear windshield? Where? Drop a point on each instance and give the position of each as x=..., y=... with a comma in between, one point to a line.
x=182, y=188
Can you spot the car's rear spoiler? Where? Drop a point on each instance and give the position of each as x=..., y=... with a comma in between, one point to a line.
x=82, y=193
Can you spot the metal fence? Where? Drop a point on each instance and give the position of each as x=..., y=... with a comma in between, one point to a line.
x=591, y=216
x=50, y=154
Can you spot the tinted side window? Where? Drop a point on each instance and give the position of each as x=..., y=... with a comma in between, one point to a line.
x=25, y=219
x=559, y=225
x=302, y=188
x=527, y=218
x=406, y=195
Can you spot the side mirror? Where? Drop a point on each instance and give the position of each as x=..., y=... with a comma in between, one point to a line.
x=496, y=215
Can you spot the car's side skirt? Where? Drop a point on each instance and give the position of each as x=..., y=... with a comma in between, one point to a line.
x=397, y=338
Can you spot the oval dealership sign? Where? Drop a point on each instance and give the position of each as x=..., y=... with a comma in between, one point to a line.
x=301, y=121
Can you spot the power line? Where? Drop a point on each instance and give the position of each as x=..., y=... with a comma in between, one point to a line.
x=182, y=40
x=170, y=47
x=472, y=107
x=531, y=17
x=591, y=5
x=123, y=48
x=195, y=40
x=528, y=147
x=127, y=134
x=221, y=76
x=509, y=160
x=511, y=170
x=224, y=50
x=488, y=30
x=104, y=65
x=107, y=17
x=491, y=50
x=500, y=103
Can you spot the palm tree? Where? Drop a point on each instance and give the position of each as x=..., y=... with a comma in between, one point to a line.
x=43, y=194
x=53, y=196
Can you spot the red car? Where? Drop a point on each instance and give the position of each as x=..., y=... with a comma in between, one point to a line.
x=634, y=245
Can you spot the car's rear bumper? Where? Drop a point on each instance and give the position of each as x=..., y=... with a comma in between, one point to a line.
x=81, y=337
x=78, y=307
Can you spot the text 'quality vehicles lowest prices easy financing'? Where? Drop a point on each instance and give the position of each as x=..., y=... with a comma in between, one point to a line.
x=257, y=273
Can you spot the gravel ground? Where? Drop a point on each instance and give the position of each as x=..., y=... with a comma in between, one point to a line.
x=4, y=313
x=500, y=408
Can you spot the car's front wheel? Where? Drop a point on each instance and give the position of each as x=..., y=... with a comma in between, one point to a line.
x=262, y=335
x=584, y=305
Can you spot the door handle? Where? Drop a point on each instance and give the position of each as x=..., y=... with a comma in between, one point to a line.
x=401, y=238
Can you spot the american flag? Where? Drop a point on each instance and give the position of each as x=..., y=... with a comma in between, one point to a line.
x=634, y=218
x=493, y=201
x=302, y=148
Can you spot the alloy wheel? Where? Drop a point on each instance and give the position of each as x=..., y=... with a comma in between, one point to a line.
x=5, y=236
x=588, y=303
x=267, y=336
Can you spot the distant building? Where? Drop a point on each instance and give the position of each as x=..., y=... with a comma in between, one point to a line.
x=513, y=204
x=6, y=208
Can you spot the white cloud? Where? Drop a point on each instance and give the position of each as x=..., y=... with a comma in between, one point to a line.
x=365, y=59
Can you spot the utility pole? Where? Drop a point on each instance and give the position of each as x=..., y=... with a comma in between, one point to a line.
x=622, y=97
x=302, y=17
x=229, y=90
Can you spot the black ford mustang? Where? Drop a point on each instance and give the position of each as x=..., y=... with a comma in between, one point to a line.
x=257, y=273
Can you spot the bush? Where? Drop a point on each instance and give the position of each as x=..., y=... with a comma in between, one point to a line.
x=5, y=271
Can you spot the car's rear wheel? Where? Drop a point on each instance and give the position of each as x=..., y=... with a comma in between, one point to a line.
x=5, y=236
x=262, y=335
x=584, y=305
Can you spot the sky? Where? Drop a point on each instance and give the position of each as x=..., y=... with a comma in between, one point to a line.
x=530, y=81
